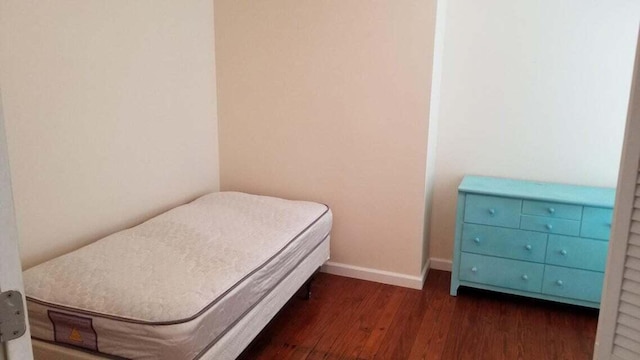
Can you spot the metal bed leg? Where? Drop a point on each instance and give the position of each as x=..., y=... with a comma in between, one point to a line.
x=305, y=290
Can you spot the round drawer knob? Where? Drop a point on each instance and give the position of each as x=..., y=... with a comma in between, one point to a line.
x=492, y=211
x=476, y=240
x=549, y=226
x=474, y=269
x=559, y=283
x=551, y=210
x=609, y=225
x=528, y=247
x=525, y=277
x=563, y=252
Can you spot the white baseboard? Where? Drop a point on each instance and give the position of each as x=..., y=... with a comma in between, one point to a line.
x=381, y=276
x=440, y=264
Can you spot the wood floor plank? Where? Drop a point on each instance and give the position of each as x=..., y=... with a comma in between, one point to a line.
x=379, y=331
x=353, y=319
x=530, y=342
x=298, y=320
x=337, y=330
x=510, y=330
x=436, y=316
x=555, y=341
x=308, y=337
x=362, y=326
x=292, y=316
x=586, y=339
x=399, y=340
x=437, y=342
x=490, y=329
x=463, y=340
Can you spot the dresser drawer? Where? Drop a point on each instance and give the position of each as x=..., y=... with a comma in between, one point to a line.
x=550, y=209
x=577, y=252
x=572, y=283
x=596, y=223
x=492, y=210
x=506, y=273
x=503, y=242
x=550, y=225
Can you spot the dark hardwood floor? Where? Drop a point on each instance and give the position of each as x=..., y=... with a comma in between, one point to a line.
x=354, y=319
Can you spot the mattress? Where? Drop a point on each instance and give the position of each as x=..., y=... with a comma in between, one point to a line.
x=234, y=341
x=173, y=286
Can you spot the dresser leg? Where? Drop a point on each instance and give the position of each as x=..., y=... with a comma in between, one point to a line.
x=454, y=288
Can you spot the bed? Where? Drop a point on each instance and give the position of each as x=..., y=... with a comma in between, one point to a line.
x=197, y=282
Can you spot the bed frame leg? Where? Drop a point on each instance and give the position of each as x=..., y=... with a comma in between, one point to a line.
x=305, y=291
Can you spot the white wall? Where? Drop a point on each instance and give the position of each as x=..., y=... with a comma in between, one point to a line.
x=531, y=90
x=110, y=110
x=329, y=101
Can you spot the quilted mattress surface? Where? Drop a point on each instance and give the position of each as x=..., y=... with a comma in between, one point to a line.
x=165, y=281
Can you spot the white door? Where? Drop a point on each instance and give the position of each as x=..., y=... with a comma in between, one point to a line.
x=619, y=323
x=10, y=268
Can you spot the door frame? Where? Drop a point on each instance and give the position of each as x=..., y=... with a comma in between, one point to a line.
x=618, y=243
x=10, y=265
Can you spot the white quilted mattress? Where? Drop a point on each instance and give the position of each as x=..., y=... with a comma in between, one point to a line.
x=172, y=286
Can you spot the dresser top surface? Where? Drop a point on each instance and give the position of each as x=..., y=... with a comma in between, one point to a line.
x=543, y=191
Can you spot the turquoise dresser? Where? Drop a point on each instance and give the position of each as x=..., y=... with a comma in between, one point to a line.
x=541, y=240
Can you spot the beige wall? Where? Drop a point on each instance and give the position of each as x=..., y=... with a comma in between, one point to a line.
x=531, y=90
x=329, y=101
x=110, y=111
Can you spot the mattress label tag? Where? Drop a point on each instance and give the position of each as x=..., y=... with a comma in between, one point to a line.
x=74, y=330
